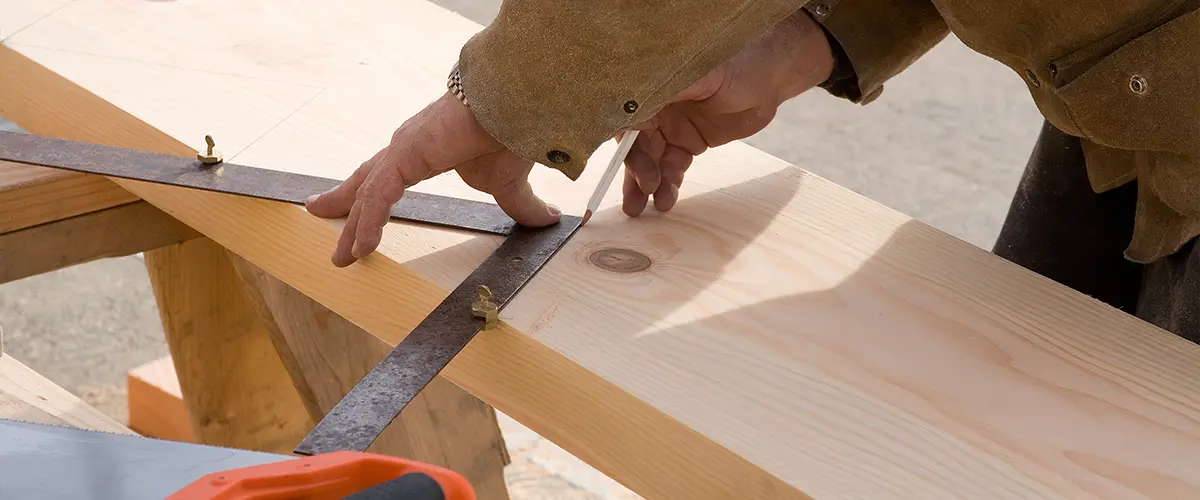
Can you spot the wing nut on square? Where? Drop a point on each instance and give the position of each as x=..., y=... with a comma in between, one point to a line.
x=212, y=157
x=485, y=308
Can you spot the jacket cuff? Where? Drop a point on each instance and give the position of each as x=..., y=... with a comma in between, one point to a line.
x=842, y=78
x=552, y=81
x=875, y=40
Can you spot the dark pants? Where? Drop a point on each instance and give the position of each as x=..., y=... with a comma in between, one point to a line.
x=1058, y=227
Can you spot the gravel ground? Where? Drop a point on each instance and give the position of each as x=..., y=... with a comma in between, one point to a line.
x=945, y=144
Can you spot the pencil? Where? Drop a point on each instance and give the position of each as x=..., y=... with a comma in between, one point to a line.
x=618, y=159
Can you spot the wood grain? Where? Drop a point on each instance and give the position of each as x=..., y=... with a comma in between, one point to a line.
x=30, y=195
x=592, y=418
x=791, y=339
x=119, y=231
x=237, y=391
x=19, y=14
x=29, y=397
x=155, y=402
x=328, y=355
x=248, y=401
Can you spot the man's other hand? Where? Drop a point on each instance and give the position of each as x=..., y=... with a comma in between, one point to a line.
x=734, y=101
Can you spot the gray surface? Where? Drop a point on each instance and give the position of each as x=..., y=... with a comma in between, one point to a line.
x=945, y=144
x=48, y=462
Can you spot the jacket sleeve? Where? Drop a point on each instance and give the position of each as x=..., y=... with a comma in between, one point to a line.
x=553, y=80
x=877, y=39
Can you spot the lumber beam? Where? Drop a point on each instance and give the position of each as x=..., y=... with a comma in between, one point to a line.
x=114, y=232
x=31, y=196
x=27, y=396
x=773, y=336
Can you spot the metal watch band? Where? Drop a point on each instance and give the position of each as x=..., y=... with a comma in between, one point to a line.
x=454, y=84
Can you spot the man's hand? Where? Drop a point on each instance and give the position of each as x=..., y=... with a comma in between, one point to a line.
x=443, y=136
x=734, y=101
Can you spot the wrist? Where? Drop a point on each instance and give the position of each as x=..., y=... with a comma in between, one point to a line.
x=807, y=58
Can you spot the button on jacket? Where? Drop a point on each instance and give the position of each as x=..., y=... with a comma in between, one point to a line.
x=553, y=80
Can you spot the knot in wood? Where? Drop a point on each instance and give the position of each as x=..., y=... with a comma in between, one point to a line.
x=619, y=260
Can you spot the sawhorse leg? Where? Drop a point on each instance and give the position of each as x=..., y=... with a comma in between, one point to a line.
x=236, y=390
x=327, y=355
x=259, y=363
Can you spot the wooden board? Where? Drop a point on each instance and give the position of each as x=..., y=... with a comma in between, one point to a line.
x=30, y=397
x=19, y=14
x=30, y=196
x=155, y=402
x=114, y=232
x=791, y=338
x=238, y=392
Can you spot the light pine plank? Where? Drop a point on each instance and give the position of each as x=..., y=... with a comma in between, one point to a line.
x=235, y=110
x=294, y=41
x=30, y=196
x=791, y=338
x=29, y=397
x=114, y=232
x=16, y=15
x=155, y=401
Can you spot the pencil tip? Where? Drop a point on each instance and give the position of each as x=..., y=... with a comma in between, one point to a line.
x=586, y=215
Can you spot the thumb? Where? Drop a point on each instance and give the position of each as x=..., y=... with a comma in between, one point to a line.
x=526, y=208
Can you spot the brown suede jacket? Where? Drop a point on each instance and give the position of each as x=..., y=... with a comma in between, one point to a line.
x=554, y=80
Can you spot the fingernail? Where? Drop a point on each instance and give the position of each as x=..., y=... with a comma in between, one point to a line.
x=310, y=199
x=554, y=210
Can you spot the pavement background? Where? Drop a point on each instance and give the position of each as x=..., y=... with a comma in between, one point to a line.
x=945, y=143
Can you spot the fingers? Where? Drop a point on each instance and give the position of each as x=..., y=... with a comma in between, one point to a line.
x=342, y=256
x=442, y=135
x=337, y=202
x=382, y=189
x=660, y=176
x=525, y=207
x=633, y=200
x=675, y=163
x=685, y=133
x=641, y=175
x=370, y=210
x=643, y=159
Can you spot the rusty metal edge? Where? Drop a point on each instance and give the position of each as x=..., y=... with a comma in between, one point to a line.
x=242, y=180
x=380, y=396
